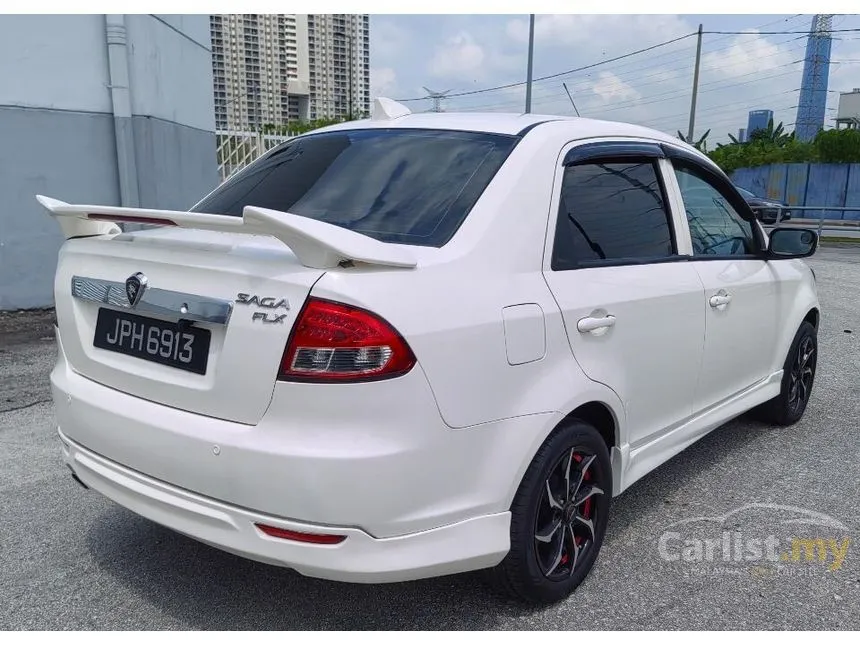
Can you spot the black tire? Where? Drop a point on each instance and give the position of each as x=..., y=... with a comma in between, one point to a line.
x=797, y=380
x=527, y=572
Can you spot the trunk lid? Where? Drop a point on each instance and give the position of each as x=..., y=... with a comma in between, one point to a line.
x=200, y=273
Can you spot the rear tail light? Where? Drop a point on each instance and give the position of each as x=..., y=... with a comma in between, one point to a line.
x=298, y=536
x=332, y=342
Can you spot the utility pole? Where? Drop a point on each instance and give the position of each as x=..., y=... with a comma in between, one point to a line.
x=531, y=61
x=695, y=87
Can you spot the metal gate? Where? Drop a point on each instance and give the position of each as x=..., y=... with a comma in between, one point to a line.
x=236, y=149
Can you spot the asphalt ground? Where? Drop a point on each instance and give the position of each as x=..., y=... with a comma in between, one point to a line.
x=71, y=559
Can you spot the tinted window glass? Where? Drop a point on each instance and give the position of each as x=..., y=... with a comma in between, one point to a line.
x=611, y=212
x=407, y=186
x=716, y=228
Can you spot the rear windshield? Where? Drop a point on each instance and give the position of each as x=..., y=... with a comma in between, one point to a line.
x=395, y=185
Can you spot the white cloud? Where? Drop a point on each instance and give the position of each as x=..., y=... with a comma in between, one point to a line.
x=599, y=32
x=460, y=58
x=608, y=87
x=383, y=81
x=747, y=54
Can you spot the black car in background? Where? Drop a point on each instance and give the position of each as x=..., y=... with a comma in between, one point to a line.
x=766, y=209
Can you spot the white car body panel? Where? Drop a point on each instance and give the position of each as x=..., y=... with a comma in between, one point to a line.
x=658, y=318
x=471, y=544
x=741, y=328
x=418, y=471
x=244, y=356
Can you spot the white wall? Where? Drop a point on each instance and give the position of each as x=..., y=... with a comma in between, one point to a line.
x=57, y=62
x=160, y=59
x=849, y=106
x=57, y=128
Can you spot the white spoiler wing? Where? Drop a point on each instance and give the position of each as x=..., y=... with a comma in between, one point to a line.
x=317, y=245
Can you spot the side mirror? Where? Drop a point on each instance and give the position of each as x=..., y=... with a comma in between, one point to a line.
x=786, y=243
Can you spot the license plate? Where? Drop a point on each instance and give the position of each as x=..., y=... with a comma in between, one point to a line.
x=185, y=348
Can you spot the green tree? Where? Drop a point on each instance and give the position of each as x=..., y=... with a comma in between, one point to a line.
x=701, y=144
x=771, y=134
x=772, y=145
x=838, y=146
x=300, y=127
x=762, y=152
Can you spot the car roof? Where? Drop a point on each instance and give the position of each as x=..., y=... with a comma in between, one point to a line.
x=498, y=123
x=388, y=114
x=489, y=122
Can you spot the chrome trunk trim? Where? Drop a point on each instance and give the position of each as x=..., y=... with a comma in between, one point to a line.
x=171, y=304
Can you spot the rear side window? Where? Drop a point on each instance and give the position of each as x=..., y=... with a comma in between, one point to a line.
x=395, y=185
x=611, y=213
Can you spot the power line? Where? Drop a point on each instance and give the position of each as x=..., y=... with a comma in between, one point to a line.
x=559, y=97
x=655, y=63
x=675, y=93
x=775, y=33
x=659, y=98
x=548, y=96
x=634, y=73
x=570, y=71
x=627, y=55
x=757, y=99
x=653, y=59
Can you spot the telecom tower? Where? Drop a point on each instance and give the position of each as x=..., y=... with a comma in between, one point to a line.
x=813, y=88
x=437, y=99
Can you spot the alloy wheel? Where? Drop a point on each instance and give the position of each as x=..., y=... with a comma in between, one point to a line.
x=801, y=375
x=564, y=526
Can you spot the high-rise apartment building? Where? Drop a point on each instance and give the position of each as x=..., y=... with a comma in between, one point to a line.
x=281, y=68
x=260, y=69
x=339, y=61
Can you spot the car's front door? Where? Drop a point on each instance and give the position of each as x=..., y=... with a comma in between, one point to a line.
x=631, y=305
x=742, y=294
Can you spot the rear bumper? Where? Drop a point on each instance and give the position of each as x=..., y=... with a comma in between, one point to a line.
x=471, y=544
x=375, y=463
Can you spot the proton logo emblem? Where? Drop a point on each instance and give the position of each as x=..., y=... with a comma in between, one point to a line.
x=135, y=285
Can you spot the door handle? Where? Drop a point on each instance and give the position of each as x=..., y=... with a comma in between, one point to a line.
x=720, y=300
x=584, y=325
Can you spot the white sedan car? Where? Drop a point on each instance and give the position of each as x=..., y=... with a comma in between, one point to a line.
x=421, y=344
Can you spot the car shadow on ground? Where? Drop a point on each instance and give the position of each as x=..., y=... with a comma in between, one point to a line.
x=201, y=587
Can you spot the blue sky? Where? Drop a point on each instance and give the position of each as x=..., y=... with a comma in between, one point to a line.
x=738, y=73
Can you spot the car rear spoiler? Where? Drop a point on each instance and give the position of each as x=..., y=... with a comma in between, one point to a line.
x=317, y=245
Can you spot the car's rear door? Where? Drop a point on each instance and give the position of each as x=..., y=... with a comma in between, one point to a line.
x=743, y=295
x=631, y=304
